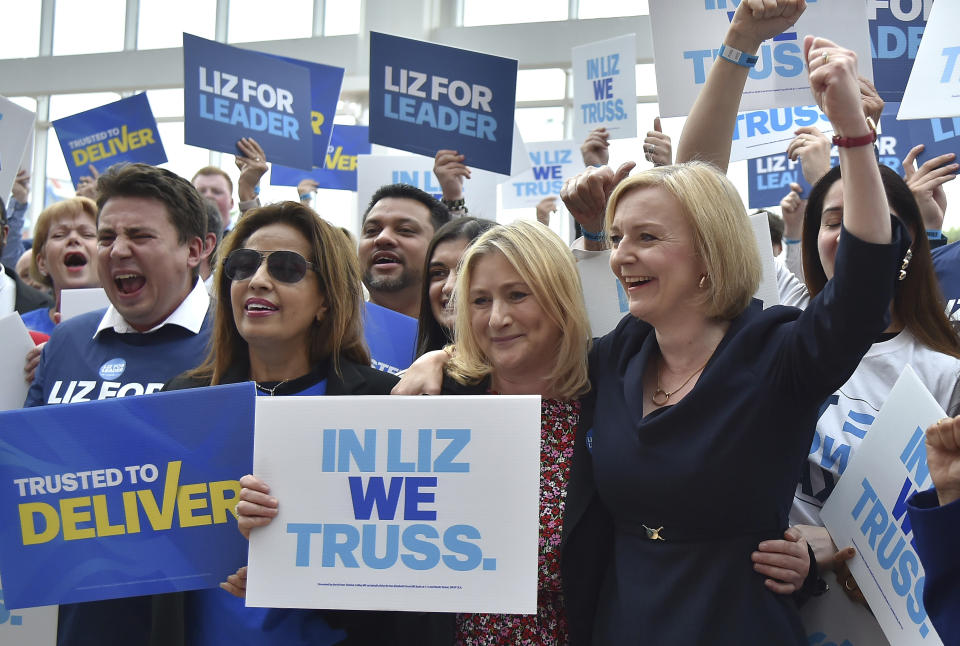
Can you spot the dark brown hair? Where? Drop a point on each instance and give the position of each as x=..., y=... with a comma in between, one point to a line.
x=917, y=302
x=338, y=335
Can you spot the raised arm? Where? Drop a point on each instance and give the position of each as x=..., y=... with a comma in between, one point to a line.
x=708, y=131
x=836, y=87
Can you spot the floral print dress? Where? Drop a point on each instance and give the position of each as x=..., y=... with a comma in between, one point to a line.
x=558, y=426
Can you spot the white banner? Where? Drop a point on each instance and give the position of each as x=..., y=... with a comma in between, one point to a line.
x=769, y=132
x=687, y=35
x=374, y=171
x=74, y=302
x=867, y=510
x=16, y=128
x=603, y=294
x=16, y=344
x=933, y=89
x=398, y=503
x=551, y=163
x=767, y=293
x=28, y=627
x=605, y=87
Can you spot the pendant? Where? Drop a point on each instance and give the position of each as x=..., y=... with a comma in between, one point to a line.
x=660, y=398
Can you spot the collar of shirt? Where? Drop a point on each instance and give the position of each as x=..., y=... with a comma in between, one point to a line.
x=189, y=315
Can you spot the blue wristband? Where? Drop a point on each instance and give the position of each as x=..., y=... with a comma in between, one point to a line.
x=934, y=234
x=256, y=190
x=791, y=241
x=596, y=237
x=737, y=57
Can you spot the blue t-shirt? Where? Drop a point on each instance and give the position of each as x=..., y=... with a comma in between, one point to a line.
x=38, y=320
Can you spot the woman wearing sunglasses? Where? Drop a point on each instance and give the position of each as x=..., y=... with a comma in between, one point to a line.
x=288, y=319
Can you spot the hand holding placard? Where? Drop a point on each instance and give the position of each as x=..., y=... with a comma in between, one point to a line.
x=252, y=162
x=256, y=507
x=595, y=149
x=451, y=172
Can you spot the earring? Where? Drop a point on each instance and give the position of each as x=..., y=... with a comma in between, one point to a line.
x=703, y=281
x=905, y=264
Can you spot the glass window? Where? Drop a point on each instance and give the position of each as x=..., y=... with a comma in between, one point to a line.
x=540, y=124
x=252, y=20
x=82, y=28
x=166, y=103
x=501, y=12
x=21, y=34
x=612, y=8
x=646, y=80
x=56, y=164
x=64, y=105
x=541, y=85
x=341, y=17
x=182, y=159
x=162, y=22
x=27, y=102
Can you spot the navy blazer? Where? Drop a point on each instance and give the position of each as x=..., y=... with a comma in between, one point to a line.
x=694, y=487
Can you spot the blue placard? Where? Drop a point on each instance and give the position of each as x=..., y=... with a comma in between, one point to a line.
x=938, y=136
x=769, y=180
x=143, y=493
x=339, y=169
x=122, y=131
x=425, y=97
x=230, y=93
x=325, y=82
x=391, y=336
x=895, y=31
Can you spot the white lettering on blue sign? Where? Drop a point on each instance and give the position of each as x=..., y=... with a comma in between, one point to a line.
x=113, y=368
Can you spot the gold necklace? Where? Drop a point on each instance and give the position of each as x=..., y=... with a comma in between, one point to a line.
x=660, y=396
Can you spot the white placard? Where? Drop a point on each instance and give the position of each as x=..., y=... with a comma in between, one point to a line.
x=28, y=627
x=16, y=344
x=605, y=87
x=933, y=89
x=867, y=510
x=767, y=292
x=834, y=618
x=16, y=126
x=687, y=35
x=518, y=156
x=454, y=528
x=374, y=171
x=74, y=302
x=602, y=293
x=551, y=162
x=769, y=132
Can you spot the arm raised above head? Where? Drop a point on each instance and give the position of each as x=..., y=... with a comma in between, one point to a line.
x=708, y=131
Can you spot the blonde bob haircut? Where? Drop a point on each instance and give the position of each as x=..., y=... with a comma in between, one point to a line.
x=41, y=230
x=338, y=335
x=722, y=235
x=548, y=268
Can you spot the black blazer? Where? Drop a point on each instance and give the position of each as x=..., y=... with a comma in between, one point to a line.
x=586, y=539
x=28, y=298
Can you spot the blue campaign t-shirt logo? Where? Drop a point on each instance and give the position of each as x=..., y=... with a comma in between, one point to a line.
x=112, y=369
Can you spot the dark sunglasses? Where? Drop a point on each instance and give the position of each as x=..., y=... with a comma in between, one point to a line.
x=285, y=266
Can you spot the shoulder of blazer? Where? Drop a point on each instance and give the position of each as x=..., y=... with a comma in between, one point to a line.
x=357, y=379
